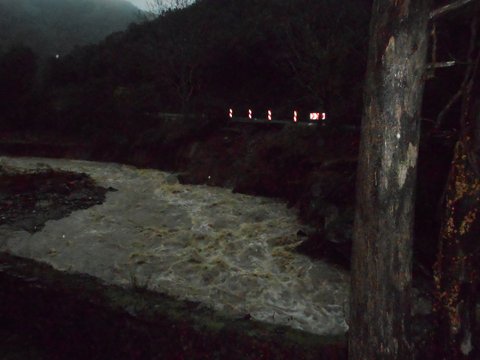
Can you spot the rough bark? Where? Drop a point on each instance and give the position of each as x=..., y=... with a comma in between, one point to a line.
x=456, y=268
x=382, y=246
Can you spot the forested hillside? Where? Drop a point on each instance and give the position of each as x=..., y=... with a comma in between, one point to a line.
x=53, y=27
x=210, y=56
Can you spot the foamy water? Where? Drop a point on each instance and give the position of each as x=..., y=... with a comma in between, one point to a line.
x=231, y=252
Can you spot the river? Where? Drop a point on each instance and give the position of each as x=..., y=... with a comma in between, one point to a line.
x=232, y=252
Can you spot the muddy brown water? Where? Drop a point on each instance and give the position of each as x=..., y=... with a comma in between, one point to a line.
x=231, y=252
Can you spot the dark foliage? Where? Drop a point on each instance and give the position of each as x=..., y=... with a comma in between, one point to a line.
x=18, y=68
x=259, y=54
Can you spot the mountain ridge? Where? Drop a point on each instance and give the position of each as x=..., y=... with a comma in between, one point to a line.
x=53, y=27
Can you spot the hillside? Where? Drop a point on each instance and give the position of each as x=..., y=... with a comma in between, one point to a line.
x=53, y=27
x=212, y=56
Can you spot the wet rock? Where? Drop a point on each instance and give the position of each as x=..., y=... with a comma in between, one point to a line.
x=28, y=224
x=339, y=226
x=172, y=179
x=318, y=246
x=28, y=200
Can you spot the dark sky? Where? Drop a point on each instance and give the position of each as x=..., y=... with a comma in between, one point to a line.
x=150, y=4
x=141, y=4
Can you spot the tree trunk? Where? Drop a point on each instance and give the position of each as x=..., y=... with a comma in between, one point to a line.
x=382, y=247
x=456, y=268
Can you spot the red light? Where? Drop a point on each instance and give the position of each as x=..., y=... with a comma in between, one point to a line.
x=314, y=116
x=295, y=116
x=324, y=116
x=230, y=113
x=250, y=114
x=269, y=115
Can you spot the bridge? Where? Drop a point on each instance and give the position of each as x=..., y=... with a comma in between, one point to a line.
x=314, y=118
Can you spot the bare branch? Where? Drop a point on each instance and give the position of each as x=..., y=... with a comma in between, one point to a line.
x=442, y=10
x=471, y=150
x=443, y=64
x=447, y=107
x=469, y=72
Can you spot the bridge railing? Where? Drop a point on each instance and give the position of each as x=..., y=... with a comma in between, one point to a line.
x=313, y=119
x=307, y=119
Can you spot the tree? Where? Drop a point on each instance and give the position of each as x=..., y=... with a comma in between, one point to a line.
x=382, y=245
x=18, y=68
x=381, y=258
x=455, y=271
x=319, y=42
x=183, y=52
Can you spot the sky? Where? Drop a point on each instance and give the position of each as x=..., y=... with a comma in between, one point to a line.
x=147, y=4
x=141, y=4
